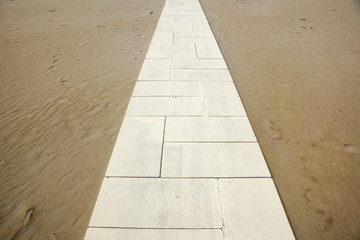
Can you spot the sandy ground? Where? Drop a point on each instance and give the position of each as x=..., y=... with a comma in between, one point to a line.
x=67, y=71
x=296, y=65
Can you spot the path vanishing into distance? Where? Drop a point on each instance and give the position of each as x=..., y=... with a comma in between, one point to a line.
x=186, y=164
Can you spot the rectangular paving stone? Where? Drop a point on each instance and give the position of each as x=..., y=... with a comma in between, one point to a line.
x=166, y=47
x=157, y=203
x=153, y=234
x=222, y=99
x=171, y=54
x=163, y=37
x=213, y=160
x=193, y=40
x=167, y=89
x=137, y=151
x=198, y=18
x=193, y=35
x=166, y=20
x=155, y=69
x=208, y=129
x=165, y=106
x=201, y=28
x=253, y=210
x=208, y=50
x=199, y=63
x=174, y=27
x=182, y=8
x=201, y=74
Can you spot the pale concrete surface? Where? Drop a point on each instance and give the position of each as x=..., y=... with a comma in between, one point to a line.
x=199, y=63
x=253, y=210
x=213, y=160
x=187, y=164
x=157, y=203
x=222, y=103
x=167, y=89
x=153, y=234
x=165, y=106
x=208, y=129
x=137, y=151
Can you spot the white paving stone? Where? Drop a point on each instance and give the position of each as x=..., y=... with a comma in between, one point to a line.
x=153, y=234
x=208, y=50
x=193, y=35
x=171, y=54
x=155, y=69
x=157, y=203
x=213, y=160
x=198, y=18
x=171, y=47
x=201, y=28
x=222, y=99
x=137, y=151
x=174, y=27
x=166, y=20
x=208, y=129
x=193, y=40
x=165, y=106
x=167, y=89
x=201, y=74
x=163, y=37
x=199, y=63
x=253, y=210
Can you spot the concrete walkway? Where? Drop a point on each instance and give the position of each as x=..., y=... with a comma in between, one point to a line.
x=186, y=164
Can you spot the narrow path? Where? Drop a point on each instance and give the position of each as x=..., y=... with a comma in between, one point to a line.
x=186, y=164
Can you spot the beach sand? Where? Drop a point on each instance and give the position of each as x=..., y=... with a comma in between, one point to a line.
x=67, y=71
x=296, y=65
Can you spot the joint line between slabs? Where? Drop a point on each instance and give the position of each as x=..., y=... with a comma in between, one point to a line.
x=211, y=141
x=150, y=228
x=162, y=148
x=179, y=178
x=221, y=210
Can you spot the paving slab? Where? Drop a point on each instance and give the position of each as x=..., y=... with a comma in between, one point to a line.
x=213, y=160
x=171, y=47
x=137, y=151
x=193, y=35
x=206, y=50
x=222, y=99
x=153, y=234
x=163, y=37
x=155, y=69
x=165, y=106
x=253, y=210
x=201, y=27
x=190, y=19
x=171, y=54
x=157, y=203
x=167, y=89
x=199, y=63
x=193, y=40
x=208, y=129
x=170, y=27
x=201, y=74
x=166, y=20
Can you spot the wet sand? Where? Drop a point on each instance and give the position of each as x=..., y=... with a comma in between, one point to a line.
x=67, y=71
x=296, y=65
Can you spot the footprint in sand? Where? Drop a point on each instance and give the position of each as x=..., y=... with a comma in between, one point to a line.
x=27, y=216
x=272, y=131
x=350, y=148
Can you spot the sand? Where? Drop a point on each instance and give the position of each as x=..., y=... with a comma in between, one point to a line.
x=296, y=65
x=67, y=71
